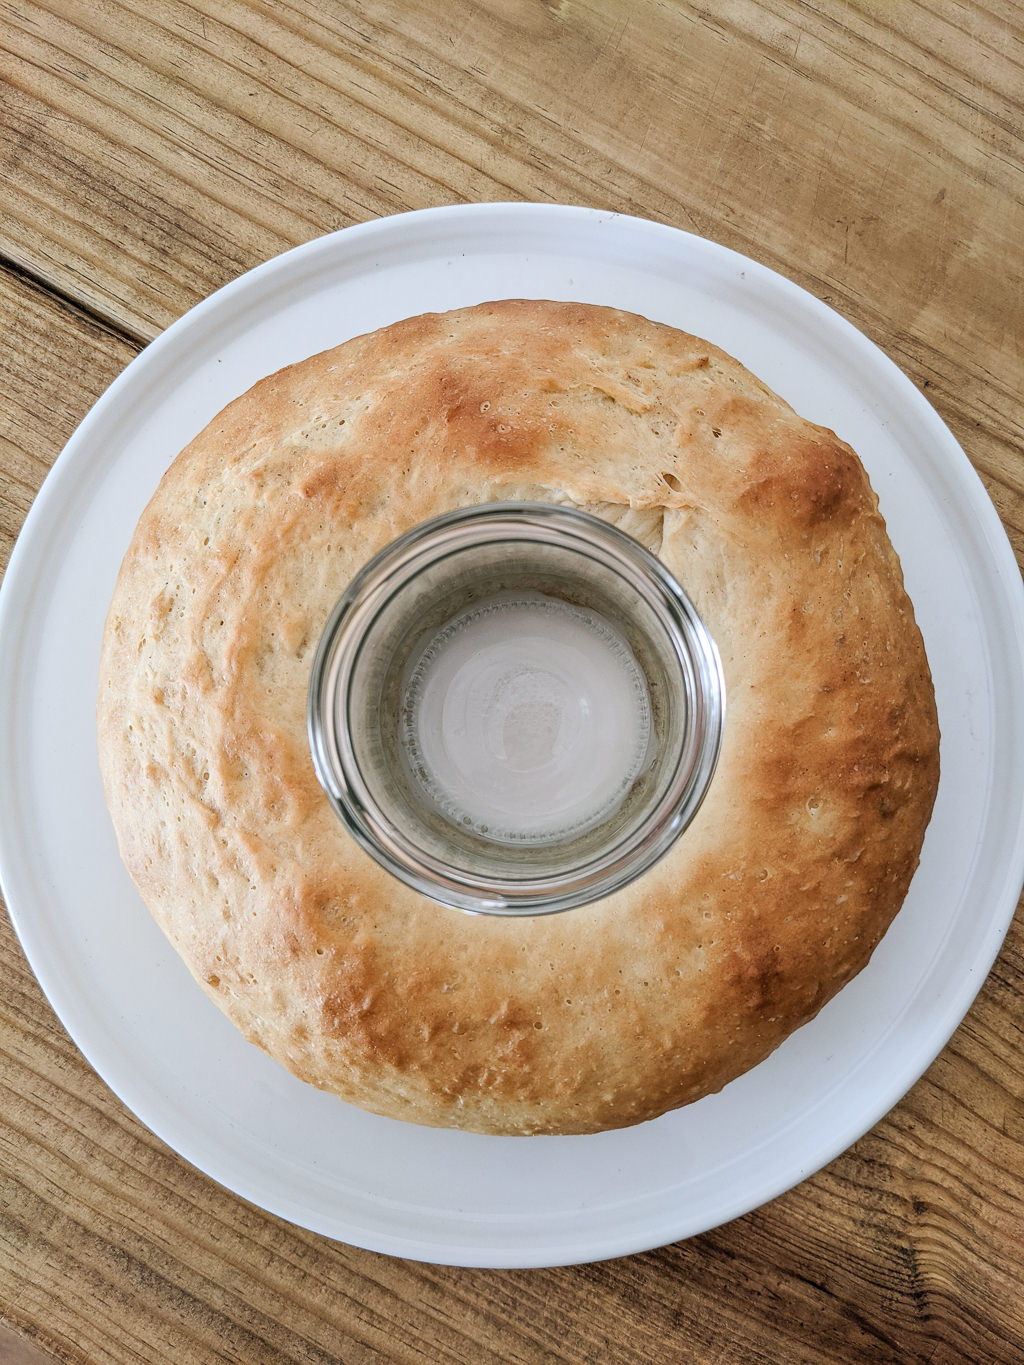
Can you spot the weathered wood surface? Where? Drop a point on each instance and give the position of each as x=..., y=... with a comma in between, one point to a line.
x=150, y=151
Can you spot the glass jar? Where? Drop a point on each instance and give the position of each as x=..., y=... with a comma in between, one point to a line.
x=515, y=708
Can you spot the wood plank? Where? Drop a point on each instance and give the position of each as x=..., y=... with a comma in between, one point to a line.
x=202, y=142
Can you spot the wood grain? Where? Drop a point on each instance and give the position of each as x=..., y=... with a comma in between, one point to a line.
x=873, y=163
x=152, y=150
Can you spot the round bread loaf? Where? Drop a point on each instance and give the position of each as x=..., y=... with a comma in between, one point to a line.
x=606, y=1015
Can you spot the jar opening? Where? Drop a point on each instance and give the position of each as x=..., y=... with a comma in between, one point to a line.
x=525, y=718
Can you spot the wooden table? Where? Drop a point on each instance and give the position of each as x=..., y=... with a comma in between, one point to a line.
x=154, y=149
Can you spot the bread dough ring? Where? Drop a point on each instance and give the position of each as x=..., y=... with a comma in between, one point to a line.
x=606, y=1015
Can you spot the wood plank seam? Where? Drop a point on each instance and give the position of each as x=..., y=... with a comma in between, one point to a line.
x=20, y=270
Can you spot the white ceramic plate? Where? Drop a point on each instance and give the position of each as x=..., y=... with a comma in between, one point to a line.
x=130, y=1004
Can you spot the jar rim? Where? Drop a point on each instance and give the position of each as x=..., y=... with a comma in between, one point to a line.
x=338, y=657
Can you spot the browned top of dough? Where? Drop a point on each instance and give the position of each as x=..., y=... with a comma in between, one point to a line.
x=607, y=1015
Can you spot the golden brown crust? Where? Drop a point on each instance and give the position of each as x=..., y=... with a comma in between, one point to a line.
x=607, y=1015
